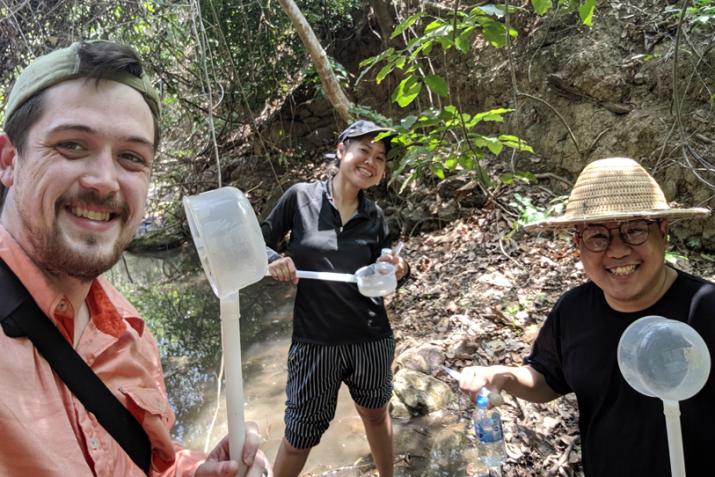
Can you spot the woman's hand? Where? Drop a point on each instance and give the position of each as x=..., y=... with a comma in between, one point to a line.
x=283, y=270
x=399, y=263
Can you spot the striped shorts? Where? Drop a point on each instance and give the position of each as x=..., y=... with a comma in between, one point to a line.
x=314, y=376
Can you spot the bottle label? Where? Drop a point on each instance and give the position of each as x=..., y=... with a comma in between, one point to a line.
x=488, y=429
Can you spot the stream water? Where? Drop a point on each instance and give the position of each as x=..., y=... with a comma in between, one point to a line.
x=174, y=297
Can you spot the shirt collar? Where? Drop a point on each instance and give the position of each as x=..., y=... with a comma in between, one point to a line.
x=362, y=209
x=102, y=296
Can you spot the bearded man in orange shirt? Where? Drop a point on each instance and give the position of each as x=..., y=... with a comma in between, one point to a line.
x=81, y=133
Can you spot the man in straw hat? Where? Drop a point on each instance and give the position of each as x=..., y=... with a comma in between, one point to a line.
x=620, y=220
x=82, y=389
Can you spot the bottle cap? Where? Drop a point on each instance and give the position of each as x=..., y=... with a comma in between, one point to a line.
x=482, y=401
x=385, y=251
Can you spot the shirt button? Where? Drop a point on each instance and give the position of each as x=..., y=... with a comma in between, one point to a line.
x=62, y=305
x=93, y=444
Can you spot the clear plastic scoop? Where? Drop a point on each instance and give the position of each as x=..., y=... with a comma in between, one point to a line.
x=374, y=280
x=667, y=359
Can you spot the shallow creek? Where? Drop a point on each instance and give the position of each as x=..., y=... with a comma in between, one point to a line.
x=175, y=299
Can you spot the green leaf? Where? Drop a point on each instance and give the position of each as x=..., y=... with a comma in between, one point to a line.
x=407, y=91
x=368, y=61
x=376, y=59
x=427, y=48
x=445, y=42
x=493, y=115
x=585, y=11
x=438, y=23
x=519, y=176
x=384, y=71
x=437, y=84
x=541, y=6
x=449, y=111
x=494, y=145
x=494, y=32
x=490, y=9
x=515, y=143
x=408, y=121
x=437, y=170
x=468, y=162
x=450, y=163
x=406, y=23
x=464, y=40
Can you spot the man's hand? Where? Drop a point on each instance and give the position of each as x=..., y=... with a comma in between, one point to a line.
x=523, y=382
x=475, y=378
x=218, y=463
x=283, y=270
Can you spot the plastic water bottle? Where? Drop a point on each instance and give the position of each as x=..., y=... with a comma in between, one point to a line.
x=488, y=428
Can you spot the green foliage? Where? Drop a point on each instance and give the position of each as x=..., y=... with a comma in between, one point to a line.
x=701, y=14
x=440, y=138
x=528, y=212
x=425, y=143
x=541, y=6
x=673, y=257
x=585, y=8
x=447, y=33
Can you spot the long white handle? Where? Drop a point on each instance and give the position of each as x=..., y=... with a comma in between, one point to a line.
x=671, y=409
x=398, y=248
x=231, y=343
x=335, y=277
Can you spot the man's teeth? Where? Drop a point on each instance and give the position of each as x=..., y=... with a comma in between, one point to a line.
x=366, y=173
x=625, y=270
x=91, y=214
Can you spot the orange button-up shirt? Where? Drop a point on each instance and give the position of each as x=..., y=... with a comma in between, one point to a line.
x=45, y=430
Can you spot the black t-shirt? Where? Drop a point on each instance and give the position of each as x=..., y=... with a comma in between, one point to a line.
x=623, y=432
x=328, y=312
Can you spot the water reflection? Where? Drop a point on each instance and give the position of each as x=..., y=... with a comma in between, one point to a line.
x=174, y=297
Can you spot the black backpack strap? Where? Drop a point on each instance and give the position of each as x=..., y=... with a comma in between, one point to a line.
x=20, y=316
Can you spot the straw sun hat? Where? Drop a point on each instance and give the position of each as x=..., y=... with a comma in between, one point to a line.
x=615, y=189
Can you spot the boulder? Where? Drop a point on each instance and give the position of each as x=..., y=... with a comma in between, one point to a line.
x=424, y=358
x=398, y=409
x=421, y=393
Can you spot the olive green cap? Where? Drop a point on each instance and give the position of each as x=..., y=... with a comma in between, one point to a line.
x=63, y=65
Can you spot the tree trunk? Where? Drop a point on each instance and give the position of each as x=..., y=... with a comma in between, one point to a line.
x=332, y=88
x=384, y=18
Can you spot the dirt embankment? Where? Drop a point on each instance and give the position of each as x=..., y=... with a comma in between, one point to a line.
x=579, y=94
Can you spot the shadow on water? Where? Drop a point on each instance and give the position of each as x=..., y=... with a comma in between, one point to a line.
x=174, y=297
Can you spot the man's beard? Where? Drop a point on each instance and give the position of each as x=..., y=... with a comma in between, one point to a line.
x=53, y=254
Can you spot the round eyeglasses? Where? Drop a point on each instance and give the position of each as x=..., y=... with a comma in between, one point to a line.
x=597, y=237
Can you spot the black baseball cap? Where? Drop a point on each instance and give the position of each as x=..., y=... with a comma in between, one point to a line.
x=361, y=128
